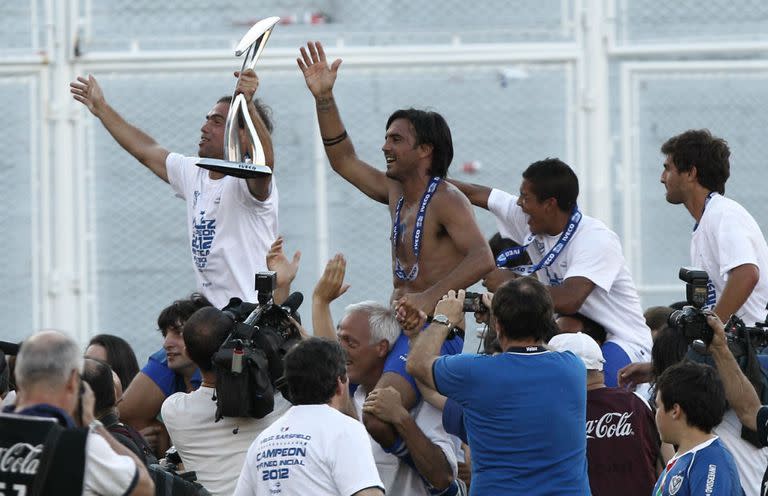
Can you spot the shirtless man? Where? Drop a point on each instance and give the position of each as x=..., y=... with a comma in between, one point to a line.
x=449, y=251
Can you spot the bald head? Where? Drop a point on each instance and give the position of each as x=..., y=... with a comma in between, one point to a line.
x=47, y=359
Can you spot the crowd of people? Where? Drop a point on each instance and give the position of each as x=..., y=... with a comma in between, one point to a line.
x=576, y=390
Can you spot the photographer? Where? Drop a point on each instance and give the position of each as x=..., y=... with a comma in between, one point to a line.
x=214, y=450
x=739, y=392
x=727, y=242
x=525, y=409
x=44, y=450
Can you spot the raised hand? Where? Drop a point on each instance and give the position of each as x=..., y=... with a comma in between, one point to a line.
x=247, y=83
x=277, y=261
x=331, y=284
x=319, y=77
x=88, y=92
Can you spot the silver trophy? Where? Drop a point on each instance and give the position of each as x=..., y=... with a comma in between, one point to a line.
x=235, y=162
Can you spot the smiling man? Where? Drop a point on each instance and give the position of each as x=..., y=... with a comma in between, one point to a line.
x=436, y=244
x=576, y=256
x=231, y=222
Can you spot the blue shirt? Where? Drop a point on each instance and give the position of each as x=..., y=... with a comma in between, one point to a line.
x=398, y=355
x=166, y=379
x=706, y=469
x=525, y=415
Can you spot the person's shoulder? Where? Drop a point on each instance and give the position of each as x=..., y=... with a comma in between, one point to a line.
x=447, y=195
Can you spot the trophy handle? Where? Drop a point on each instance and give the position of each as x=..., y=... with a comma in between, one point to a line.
x=234, y=164
x=253, y=44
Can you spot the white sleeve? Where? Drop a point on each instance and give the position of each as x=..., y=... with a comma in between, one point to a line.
x=179, y=173
x=106, y=472
x=510, y=218
x=731, y=238
x=430, y=421
x=352, y=465
x=597, y=256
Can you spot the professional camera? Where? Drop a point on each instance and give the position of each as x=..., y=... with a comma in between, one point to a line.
x=473, y=302
x=249, y=363
x=690, y=319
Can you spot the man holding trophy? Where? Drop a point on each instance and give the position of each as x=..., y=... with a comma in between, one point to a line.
x=232, y=207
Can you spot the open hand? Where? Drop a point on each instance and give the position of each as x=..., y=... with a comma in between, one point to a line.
x=88, y=92
x=331, y=284
x=319, y=77
x=277, y=261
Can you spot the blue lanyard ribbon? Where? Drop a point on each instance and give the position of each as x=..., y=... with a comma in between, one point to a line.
x=418, y=229
x=549, y=258
x=709, y=197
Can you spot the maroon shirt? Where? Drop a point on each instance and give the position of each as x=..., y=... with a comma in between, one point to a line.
x=622, y=443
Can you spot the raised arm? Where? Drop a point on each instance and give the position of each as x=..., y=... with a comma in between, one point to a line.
x=739, y=391
x=320, y=79
x=285, y=269
x=133, y=140
x=477, y=193
x=329, y=287
x=247, y=83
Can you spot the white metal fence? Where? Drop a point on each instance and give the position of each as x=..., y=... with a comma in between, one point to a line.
x=94, y=243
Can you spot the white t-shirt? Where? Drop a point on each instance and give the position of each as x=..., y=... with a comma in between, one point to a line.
x=230, y=231
x=594, y=252
x=726, y=238
x=398, y=476
x=312, y=449
x=106, y=472
x=213, y=449
x=750, y=461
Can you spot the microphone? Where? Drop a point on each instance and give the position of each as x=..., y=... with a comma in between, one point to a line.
x=292, y=303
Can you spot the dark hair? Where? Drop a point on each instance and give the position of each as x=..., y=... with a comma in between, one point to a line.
x=98, y=374
x=204, y=332
x=262, y=108
x=656, y=317
x=552, y=178
x=498, y=244
x=669, y=348
x=709, y=154
x=120, y=357
x=523, y=309
x=697, y=389
x=429, y=128
x=174, y=315
x=589, y=327
x=312, y=369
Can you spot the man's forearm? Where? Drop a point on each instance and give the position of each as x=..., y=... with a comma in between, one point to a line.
x=477, y=263
x=426, y=348
x=739, y=391
x=476, y=193
x=741, y=281
x=135, y=141
x=428, y=457
x=322, y=320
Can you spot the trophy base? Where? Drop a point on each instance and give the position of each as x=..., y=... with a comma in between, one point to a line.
x=242, y=170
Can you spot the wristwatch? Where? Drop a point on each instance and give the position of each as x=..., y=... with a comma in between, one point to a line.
x=442, y=319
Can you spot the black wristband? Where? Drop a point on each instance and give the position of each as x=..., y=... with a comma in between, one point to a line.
x=335, y=141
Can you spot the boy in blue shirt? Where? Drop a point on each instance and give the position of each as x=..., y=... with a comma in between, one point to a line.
x=690, y=401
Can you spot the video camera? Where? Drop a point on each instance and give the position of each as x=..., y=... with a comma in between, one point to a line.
x=249, y=364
